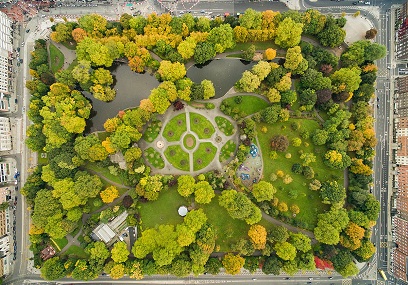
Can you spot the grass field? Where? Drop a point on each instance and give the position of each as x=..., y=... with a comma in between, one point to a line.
x=204, y=154
x=163, y=210
x=60, y=243
x=56, y=58
x=104, y=171
x=152, y=131
x=178, y=157
x=175, y=128
x=76, y=251
x=201, y=126
x=227, y=150
x=297, y=192
x=154, y=158
x=249, y=105
x=225, y=125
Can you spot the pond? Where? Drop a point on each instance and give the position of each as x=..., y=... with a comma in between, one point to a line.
x=131, y=87
x=222, y=72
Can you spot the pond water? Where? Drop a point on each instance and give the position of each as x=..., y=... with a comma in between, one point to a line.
x=131, y=87
x=222, y=72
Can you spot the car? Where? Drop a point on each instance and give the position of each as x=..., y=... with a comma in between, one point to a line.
x=16, y=198
x=287, y=278
x=14, y=237
x=355, y=3
x=331, y=277
x=367, y=2
x=18, y=49
x=22, y=44
x=202, y=11
x=310, y=278
x=15, y=100
x=14, y=257
x=46, y=10
x=28, y=30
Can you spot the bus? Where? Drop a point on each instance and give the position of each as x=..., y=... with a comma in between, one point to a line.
x=382, y=273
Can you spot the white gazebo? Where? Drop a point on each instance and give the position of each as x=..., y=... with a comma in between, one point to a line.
x=182, y=211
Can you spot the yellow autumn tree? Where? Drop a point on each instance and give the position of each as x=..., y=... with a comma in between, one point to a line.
x=109, y=194
x=257, y=234
x=270, y=54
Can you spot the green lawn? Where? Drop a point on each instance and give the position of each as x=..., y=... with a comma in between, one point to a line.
x=201, y=126
x=104, y=171
x=163, y=210
x=76, y=251
x=204, y=154
x=60, y=243
x=56, y=58
x=225, y=125
x=227, y=150
x=152, y=130
x=307, y=200
x=73, y=64
x=178, y=157
x=175, y=128
x=189, y=141
x=249, y=105
x=154, y=158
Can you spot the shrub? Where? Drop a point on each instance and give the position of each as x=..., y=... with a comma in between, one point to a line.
x=295, y=209
x=308, y=172
x=293, y=193
x=275, y=202
x=315, y=185
x=273, y=155
x=209, y=106
x=273, y=177
x=264, y=129
x=282, y=207
x=296, y=142
x=287, y=179
x=280, y=173
x=297, y=168
x=295, y=126
x=288, y=155
x=238, y=99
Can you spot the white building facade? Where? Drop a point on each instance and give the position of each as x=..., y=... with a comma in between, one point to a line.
x=6, y=53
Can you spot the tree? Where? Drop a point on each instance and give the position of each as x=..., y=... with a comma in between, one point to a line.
x=270, y=53
x=239, y=206
x=249, y=82
x=278, y=234
x=98, y=251
x=221, y=37
x=233, y=263
x=208, y=89
x=171, y=71
x=119, y=252
x=346, y=79
x=332, y=35
x=336, y=159
x=313, y=22
x=213, y=266
x=327, y=234
x=279, y=143
x=370, y=34
x=285, y=250
x=251, y=19
x=263, y=191
x=185, y=185
x=332, y=193
x=261, y=69
x=315, y=185
x=313, y=79
x=365, y=251
x=307, y=97
x=249, y=53
x=109, y=194
x=272, y=265
x=204, y=52
x=288, y=97
x=203, y=192
x=53, y=269
x=150, y=187
x=319, y=137
x=293, y=58
x=257, y=234
x=181, y=266
x=288, y=33
x=117, y=271
x=273, y=95
x=300, y=242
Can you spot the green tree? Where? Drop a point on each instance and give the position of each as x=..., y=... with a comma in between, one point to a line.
x=53, y=269
x=203, y=192
x=278, y=234
x=272, y=265
x=171, y=71
x=332, y=35
x=119, y=252
x=288, y=33
x=221, y=37
x=293, y=58
x=285, y=250
x=204, y=52
x=346, y=79
x=263, y=191
x=300, y=241
x=249, y=82
x=251, y=19
x=185, y=185
x=288, y=97
x=98, y=251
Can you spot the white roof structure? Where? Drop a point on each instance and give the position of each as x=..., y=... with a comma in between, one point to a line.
x=104, y=233
x=183, y=211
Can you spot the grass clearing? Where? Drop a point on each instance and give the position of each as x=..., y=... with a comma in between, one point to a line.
x=225, y=125
x=152, y=130
x=227, y=150
x=204, y=154
x=189, y=141
x=298, y=191
x=163, y=210
x=175, y=128
x=154, y=157
x=178, y=157
x=76, y=251
x=60, y=243
x=201, y=126
x=56, y=58
x=104, y=172
x=249, y=104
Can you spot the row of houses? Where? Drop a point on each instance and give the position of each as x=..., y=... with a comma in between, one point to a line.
x=399, y=252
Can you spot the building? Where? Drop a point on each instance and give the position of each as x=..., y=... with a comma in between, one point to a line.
x=6, y=63
x=108, y=232
x=4, y=172
x=5, y=134
x=47, y=252
x=104, y=233
x=401, y=37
